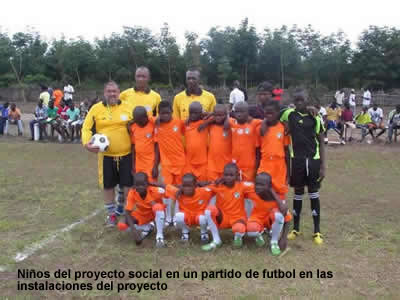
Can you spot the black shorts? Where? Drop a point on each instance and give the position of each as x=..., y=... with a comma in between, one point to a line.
x=305, y=172
x=117, y=170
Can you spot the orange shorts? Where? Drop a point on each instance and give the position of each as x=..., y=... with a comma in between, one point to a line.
x=247, y=174
x=200, y=171
x=213, y=175
x=278, y=171
x=192, y=219
x=228, y=221
x=266, y=220
x=171, y=177
x=145, y=218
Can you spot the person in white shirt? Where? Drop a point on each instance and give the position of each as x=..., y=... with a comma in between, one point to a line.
x=366, y=98
x=339, y=97
x=236, y=95
x=352, y=101
x=68, y=93
x=376, y=114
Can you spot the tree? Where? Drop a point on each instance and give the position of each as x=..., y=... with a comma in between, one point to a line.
x=169, y=51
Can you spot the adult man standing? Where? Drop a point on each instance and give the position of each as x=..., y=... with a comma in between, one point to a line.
x=339, y=98
x=141, y=94
x=192, y=93
x=110, y=117
x=393, y=122
x=68, y=93
x=366, y=97
x=236, y=95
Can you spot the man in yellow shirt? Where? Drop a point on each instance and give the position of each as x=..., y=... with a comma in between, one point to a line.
x=192, y=93
x=110, y=117
x=141, y=94
x=333, y=113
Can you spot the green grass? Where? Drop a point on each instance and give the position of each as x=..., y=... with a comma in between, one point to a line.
x=45, y=187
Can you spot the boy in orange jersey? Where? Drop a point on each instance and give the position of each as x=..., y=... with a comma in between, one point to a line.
x=220, y=148
x=168, y=135
x=269, y=212
x=144, y=205
x=274, y=149
x=229, y=211
x=145, y=152
x=245, y=142
x=196, y=141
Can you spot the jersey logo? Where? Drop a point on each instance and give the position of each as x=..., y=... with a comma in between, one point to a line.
x=225, y=134
x=201, y=202
x=240, y=131
x=247, y=183
x=207, y=189
x=279, y=135
x=247, y=131
x=236, y=195
x=148, y=135
x=124, y=117
x=175, y=128
x=161, y=190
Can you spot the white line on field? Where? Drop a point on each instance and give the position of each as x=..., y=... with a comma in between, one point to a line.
x=28, y=251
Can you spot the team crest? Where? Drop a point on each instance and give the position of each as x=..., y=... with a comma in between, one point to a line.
x=201, y=202
x=247, y=131
x=175, y=129
x=161, y=190
x=225, y=134
x=279, y=135
x=236, y=195
x=240, y=131
x=148, y=135
x=247, y=183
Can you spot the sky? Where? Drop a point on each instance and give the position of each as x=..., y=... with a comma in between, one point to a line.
x=100, y=18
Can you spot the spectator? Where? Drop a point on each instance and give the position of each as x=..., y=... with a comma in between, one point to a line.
x=364, y=122
x=352, y=101
x=68, y=93
x=52, y=117
x=73, y=116
x=14, y=118
x=366, y=97
x=393, y=121
x=57, y=97
x=277, y=92
x=339, y=96
x=44, y=96
x=376, y=114
x=321, y=111
x=78, y=124
x=51, y=91
x=3, y=116
x=236, y=95
x=40, y=118
x=333, y=120
x=62, y=123
x=347, y=120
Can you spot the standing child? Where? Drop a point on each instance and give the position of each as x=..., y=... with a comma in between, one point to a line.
x=145, y=152
x=144, y=205
x=169, y=135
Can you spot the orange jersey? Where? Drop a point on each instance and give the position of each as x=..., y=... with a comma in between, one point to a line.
x=141, y=208
x=169, y=139
x=220, y=149
x=231, y=200
x=244, y=143
x=273, y=161
x=196, y=143
x=195, y=204
x=143, y=139
x=57, y=95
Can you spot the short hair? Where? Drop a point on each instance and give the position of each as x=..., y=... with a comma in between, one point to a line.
x=193, y=70
x=111, y=82
x=231, y=165
x=274, y=104
x=299, y=94
x=142, y=174
x=143, y=68
x=398, y=106
x=191, y=176
x=265, y=86
x=164, y=104
x=269, y=178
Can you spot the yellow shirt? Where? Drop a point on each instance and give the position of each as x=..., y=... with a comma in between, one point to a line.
x=149, y=100
x=333, y=114
x=112, y=122
x=183, y=100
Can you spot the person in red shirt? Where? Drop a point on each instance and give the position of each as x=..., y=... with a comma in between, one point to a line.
x=277, y=92
x=196, y=143
x=61, y=122
x=145, y=151
x=347, y=119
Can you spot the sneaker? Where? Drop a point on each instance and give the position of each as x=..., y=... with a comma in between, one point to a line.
x=326, y=141
x=318, y=238
x=168, y=222
x=119, y=211
x=260, y=241
x=275, y=250
x=111, y=220
x=211, y=246
x=185, y=237
x=237, y=242
x=293, y=234
x=342, y=142
x=160, y=243
x=204, y=238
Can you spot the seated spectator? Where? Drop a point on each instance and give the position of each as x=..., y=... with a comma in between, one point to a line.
x=73, y=116
x=364, y=122
x=52, y=119
x=333, y=114
x=347, y=119
x=78, y=124
x=393, y=122
x=3, y=117
x=62, y=122
x=376, y=114
x=14, y=118
x=40, y=118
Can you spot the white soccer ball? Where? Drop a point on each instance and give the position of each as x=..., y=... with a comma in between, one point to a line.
x=101, y=141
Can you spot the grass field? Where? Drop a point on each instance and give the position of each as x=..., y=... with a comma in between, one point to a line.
x=45, y=187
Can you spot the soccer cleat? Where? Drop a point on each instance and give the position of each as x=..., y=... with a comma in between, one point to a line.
x=318, y=238
x=160, y=243
x=237, y=242
x=260, y=241
x=275, y=250
x=185, y=237
x=168, y=222
x=146, y=233
x=119, y=211
x=204, y=238
x=211, y=246
x=343, y=142
x=293, y=234
x=111, y=220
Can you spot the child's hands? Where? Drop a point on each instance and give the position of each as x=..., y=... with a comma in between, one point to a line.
x=283, y=207
x=202, y=127
x=154, y=172
x=203, y=183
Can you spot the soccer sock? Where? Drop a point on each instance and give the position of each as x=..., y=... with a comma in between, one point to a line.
x=277, y=227
x=180, y=222
x=297, y=205
x=160, y=219
x=168, y=203
x=315, y=209
x=239, y=235
x=203, y=224
x=254, y=234
x=110, y=208
x=213, y=227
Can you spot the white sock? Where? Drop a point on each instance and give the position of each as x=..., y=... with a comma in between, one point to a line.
x=277, y=227
x=203, y=224
x=254, y=234
x=213, y=227
x=180, y=222
x=160, y=219
x=168, y=215
x=144, y=227
x=239, y=235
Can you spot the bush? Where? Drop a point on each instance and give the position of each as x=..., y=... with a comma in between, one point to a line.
x=7, y=79
x=37, y=79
